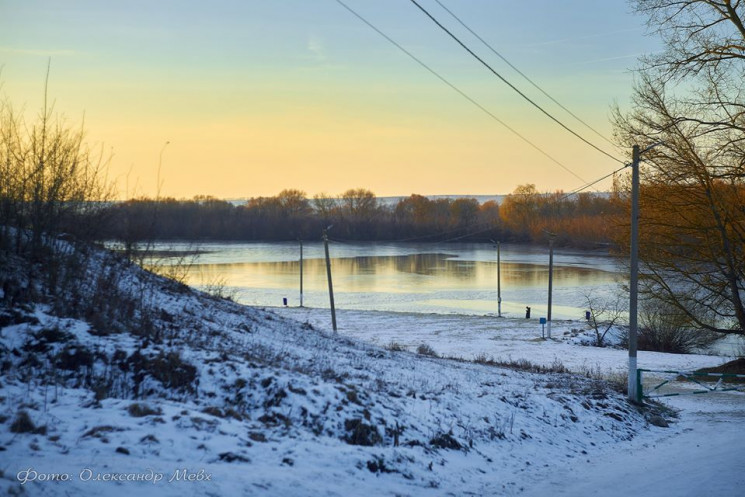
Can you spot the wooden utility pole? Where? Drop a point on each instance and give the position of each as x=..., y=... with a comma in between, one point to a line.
x=328, y=276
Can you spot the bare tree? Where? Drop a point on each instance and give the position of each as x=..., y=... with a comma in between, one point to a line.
x=51, y=183
x=324, y=205
x=665, y=328
x=359, y=203
x=294, y=203
x=688, y=101
x=605, y=314
x=520, y=209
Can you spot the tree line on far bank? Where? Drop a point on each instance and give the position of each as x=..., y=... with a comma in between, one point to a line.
x=582, y=220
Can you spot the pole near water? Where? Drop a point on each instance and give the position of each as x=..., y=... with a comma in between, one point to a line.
x=301, y=273
x=634, y=277
x=499, y=282
x=499, y=279
x=328, y=276
x=551, y=237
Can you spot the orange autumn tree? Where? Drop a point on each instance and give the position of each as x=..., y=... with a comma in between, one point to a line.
x=584, y=219
x=688, y=113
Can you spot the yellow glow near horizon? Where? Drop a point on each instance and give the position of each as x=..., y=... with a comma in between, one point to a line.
x=261, y=158
x=264, y=147
x=259, y=101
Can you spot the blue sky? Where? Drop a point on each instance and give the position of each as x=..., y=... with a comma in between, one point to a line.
x=254, y=97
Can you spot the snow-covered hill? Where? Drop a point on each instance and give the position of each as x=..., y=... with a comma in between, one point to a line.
x=161, y=390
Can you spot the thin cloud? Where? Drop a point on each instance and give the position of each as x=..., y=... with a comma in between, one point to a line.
x=576, y=38
x=316, y=47
x=606, y=59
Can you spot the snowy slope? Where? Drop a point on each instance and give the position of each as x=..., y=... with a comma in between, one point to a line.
x=207, y=397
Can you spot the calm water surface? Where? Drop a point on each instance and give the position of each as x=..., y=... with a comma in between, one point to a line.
x=425, y=278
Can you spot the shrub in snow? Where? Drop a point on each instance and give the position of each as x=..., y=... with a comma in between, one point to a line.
x=22, y=423
x=664, y=328
x=361, y=433
x=425, y=349
x=445, y=441
x=138, y=410
x=396, y=347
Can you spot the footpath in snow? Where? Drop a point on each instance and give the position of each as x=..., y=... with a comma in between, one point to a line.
x=701, y=453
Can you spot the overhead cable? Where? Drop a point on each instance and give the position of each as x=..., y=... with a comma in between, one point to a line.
x=513, y=87
x=593, y=183
x=458, y=90
x=490, y=226
x=518, y=71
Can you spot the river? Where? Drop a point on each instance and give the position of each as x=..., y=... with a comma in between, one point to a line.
x=423, y=278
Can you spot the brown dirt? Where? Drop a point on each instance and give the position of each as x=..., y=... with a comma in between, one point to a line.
x=733, y=367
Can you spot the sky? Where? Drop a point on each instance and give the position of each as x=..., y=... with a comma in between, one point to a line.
x=245, y=98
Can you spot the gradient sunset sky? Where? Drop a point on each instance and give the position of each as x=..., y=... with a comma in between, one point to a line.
x=257, y=96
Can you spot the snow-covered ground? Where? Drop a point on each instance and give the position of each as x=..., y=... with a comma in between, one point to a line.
x=221, y=399
x=701, y=454
x=470, y=337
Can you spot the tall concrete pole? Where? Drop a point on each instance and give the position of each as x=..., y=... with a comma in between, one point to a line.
x=551, y=237
x=634, y=277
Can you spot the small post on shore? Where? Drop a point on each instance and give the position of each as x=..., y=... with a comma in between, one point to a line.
x=328, y=276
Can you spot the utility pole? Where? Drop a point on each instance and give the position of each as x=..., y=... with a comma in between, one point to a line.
x=634, y=277
x=551, y=237
x=499, y=280
x=328, y=276
x=301, y=273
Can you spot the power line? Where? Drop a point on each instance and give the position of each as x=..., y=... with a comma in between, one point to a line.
x=425, y=237
x=554, y=202
x=458, y=90
x=490, y=227
x=490, y=114
x=593, y=183
x=513, y=87
x=504, y=59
